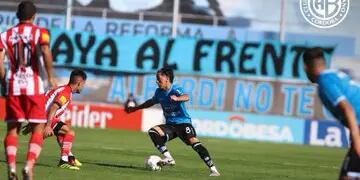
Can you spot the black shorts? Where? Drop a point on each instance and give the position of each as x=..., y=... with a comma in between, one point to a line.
x=351, y=164
x=183, y=131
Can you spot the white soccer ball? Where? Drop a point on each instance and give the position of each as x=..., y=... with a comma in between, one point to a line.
x=151, y=163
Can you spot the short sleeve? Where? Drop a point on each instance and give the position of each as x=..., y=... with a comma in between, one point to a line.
x=155, y=97
x=179, y=91
x=330, y=89
x=44, y=37
x=62, y=99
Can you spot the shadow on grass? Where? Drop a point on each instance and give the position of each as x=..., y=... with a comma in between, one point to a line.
x=37, y=164
x=115, y=165
x=93, y=163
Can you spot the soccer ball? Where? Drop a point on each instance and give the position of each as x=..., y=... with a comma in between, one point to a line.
x=151, y=163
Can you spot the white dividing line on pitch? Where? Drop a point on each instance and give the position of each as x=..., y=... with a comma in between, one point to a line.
x=331, y=167
x=307, y=165
x=102, y=147
x=110, y=148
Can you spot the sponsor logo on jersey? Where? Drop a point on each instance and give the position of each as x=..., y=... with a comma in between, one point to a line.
x=45, y=37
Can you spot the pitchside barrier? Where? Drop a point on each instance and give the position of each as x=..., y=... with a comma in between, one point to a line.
x=241, y=126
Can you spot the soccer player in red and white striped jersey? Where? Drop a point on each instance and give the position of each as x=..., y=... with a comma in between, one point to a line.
x=58, y=100
x=27, y=48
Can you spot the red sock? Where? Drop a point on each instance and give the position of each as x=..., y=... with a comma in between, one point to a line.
x=34, y=150
x=10, y=143
x=67, y=143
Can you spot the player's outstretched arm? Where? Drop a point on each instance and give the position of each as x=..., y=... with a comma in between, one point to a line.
x=144, y=105
x=183, y=97
x=45, y=50
x=48, y=131
x=350, y=117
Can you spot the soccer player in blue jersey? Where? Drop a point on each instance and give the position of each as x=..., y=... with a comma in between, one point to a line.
x=178, y=122
x=341, y=96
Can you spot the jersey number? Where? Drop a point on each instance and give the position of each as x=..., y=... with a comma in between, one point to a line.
x=187, y=130
x=22, y=54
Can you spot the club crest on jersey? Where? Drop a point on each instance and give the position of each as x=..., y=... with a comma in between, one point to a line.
x=63, y=100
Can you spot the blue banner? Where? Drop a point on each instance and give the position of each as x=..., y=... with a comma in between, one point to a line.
x=141, y=54
x=248, y=126
x=326, y=133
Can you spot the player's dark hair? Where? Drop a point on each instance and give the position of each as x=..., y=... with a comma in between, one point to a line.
x=77, y=73
x=25, y=10
x=312, y=54
x=167, y=72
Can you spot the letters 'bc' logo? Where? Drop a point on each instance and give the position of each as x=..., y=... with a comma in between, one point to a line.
x=324, y=13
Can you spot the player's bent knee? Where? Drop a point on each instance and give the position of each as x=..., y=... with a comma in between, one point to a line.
x=153, y=131
x=158, y=130
x=156, y=138
x=13, y=130
x=71, y=132
x=37, y=127
x=12, y=133
x=192, y=141
x=13, y=127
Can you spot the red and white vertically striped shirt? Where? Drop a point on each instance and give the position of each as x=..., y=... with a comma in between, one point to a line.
x=62, y=96
x=22, y=45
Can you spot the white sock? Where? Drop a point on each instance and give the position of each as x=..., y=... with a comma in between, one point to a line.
x=213, y=168
x=12, y=170
x=168, y=155
x=26, y=169
x=65, y=158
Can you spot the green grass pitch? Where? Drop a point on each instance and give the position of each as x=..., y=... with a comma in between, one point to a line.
x=116, y=154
